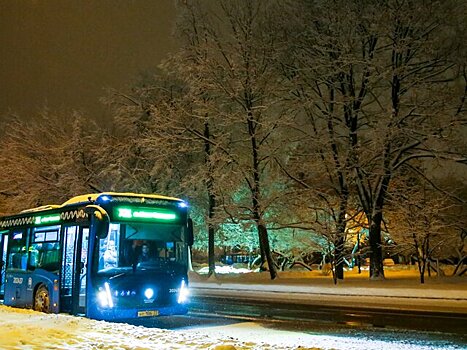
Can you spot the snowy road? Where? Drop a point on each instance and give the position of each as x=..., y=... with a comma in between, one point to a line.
x=26, y=329
x=354, y=314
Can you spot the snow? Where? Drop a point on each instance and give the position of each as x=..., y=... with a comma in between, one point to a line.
x=27, y=329
x=227, y=269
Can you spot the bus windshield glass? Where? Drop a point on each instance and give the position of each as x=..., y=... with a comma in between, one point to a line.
x=141, y=246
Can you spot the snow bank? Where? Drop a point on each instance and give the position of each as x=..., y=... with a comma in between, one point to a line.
x=27, y=329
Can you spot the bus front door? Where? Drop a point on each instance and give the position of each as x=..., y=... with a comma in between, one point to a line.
x=3, y=248
x=74, y=268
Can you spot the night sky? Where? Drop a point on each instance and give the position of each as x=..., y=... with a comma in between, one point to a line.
x=64, y=54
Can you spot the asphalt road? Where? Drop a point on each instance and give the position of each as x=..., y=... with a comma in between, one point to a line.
x=453, y=323
x=326, y=323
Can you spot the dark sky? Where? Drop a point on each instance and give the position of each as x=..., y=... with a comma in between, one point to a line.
x=63, y=54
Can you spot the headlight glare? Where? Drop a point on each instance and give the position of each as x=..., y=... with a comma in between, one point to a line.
x=183, y=293
x=104, y=296
x=149, y=293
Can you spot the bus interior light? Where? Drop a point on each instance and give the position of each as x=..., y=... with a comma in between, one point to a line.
x=18, y=235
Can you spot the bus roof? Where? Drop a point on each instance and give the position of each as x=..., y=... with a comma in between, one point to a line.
x=86, y=198
x=41, y=208
x=92, y=197
x=73, y=209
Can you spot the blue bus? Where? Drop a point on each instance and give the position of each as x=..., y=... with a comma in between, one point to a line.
x=105, y=256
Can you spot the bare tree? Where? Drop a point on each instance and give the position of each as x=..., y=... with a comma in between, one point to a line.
x=388, y=70
x=171, y=131
x=420, y=225
x=48, y=159
x=238, y=73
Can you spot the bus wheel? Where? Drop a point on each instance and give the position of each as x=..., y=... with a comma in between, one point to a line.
x=42, y=299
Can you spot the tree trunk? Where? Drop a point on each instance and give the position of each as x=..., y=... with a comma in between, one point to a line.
x=255, y=188
x=265, y=249
x=339, y=244
x=211, y=231
x=376, y=251
x=333, y=271
x=421, y=269
x=211, y=256
x=264, y=242
x=212, y=201
x=339, y=258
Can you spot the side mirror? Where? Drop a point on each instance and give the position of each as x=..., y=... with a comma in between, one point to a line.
x=99, y=221
x=190, y=238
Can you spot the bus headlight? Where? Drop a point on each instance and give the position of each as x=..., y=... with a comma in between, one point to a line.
x=183, y=293
x=104, y=296
x=149, y=293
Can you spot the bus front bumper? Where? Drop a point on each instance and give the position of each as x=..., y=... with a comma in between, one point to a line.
x=113, y=314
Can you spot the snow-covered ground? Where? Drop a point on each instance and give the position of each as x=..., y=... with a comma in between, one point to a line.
x=26, y=329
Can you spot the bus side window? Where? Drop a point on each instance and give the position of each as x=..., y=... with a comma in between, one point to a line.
x=15, y=259
x=44, y=252
x=18, y=255
x=50, y=258
x=35, y=255
x=18, y=258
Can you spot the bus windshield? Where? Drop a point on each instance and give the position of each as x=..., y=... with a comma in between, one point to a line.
x=141, y=246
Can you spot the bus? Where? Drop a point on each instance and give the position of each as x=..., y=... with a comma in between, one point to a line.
x=106, y=256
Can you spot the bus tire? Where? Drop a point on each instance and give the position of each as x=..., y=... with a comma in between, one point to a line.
x=42, y=299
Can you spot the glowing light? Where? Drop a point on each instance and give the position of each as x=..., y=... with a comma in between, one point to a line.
x=104, y=296
x=183, y=293
x=109, y=296
x=46, y=219
x=105, y=198
x=149, y=293
x=147, y=214
x=125, y=213
x=18, y=235
x=154, y=215
x=182, y=204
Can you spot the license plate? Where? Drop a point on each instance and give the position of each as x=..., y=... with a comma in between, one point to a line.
x=148, y=313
